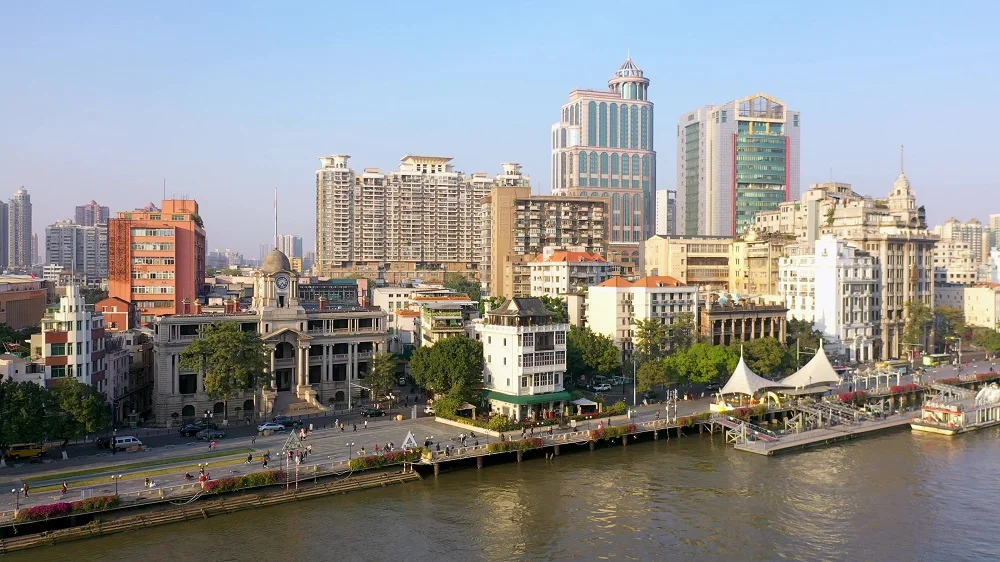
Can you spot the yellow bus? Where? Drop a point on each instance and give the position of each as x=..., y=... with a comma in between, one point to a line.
x=936, y=359
x=896, y=365
x=25, y=451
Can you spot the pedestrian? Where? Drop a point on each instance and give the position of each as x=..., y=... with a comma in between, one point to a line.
x=341, y=428
x=477, y=442
x=657, y=414
x=376, y=448
x=309, y=449
x=63, y=487
x=355, y=427
x=25, y=489
x=366, y=424
x=253, y=439
x=336, y=422
x=146, y=483
x=249, y=458
x=264, y=464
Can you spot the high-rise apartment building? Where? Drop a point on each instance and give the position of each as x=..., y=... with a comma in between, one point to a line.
x=71, y=343
x=603, y=147
x=517, y=226
x=80, y=249
x=972, y=233
x=34, y=248
x=420, y=221
x=92, y=214
x=290, y=245
x=19, y=231
x=156, y=257
x=4, y=236
x=993, y=230
x=733, y=161
x=666, y=212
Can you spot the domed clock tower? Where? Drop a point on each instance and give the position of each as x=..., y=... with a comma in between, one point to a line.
x=276, y=286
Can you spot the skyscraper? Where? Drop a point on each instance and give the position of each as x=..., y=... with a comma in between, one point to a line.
x=156, y=258
x=19, y=231
x=603, y=147
x=666, y=212
x=92, y=214
x=733, y=161
x=80, y=249
x=290, y=245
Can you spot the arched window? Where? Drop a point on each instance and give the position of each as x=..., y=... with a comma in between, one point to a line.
x=562, y=162
x=602, y=126
x=604, y=195
x=624, y=126
x=626, y=214
x=604, y=163
x=649, y=141
x=616, y=210
x=635, y=126
x=637, y=209
x=187, y=411
x=613, y=136
x=593, y=163
x=615, y=170
x=645, y=166
x=583, y=162
x=625, y=167
x=218, y=407
x=562, y=138
x=247, y=406
x=645, y=127
x=635, y=165
x=592, y=123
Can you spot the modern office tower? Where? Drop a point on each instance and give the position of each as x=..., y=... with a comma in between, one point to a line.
x=603, y=147
x=156, y=258
x=421, y=221
x=92, y=214
x=77, y=248
x=19, y=231
x=290, y=245
x=4, y=236
x=666, y=212
x=733, y=161
x=517, y=226
x=34, y=248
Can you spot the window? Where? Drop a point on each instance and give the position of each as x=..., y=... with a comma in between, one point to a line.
x=529, y=340
x=58, y=371
x=560, y=338
x=624, y=126
x=79, y=325
x=69, y=370
x=626, y=169
x=592, y=124
x=635, y=127
x=57, y=349
x=188, y=383
x=645, y=127
x=528, y=360
x=603, y=125
x=138, y=232
x=613, y=136
x=79, y=348
x=615, y=170
x=583, y=162
x=604, y=163
x=524, y=380
x=177, y=217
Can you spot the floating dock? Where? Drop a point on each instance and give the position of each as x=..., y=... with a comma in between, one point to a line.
x=774, y=444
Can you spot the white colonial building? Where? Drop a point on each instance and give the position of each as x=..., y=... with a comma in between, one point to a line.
x=613, y=307
x=524, y=360
x=836, y=287
x=318, y=356
x=555, y=273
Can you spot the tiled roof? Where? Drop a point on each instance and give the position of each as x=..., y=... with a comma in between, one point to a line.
x=658, y=281
x=571, y=257
x=522, y=306
x=615, y=282
x=412, y=313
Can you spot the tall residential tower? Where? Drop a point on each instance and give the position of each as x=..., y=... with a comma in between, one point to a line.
x=733, y=161
x=19, y=231
x=603, y=147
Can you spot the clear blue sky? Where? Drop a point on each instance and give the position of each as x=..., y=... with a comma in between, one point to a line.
x=228, y=100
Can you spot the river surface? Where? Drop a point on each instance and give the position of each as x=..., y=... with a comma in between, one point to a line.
x=897, y=497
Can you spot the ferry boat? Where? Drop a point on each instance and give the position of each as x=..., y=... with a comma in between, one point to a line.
x=957, y=410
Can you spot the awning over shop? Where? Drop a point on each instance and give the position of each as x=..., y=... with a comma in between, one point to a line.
x=584, y=402
x=528, y=399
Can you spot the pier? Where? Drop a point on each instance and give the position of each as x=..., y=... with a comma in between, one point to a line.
x=818, y=437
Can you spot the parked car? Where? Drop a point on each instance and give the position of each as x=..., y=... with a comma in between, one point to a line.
x=25, y=451
x=429, y=410
x=103, y=442
x=287, y=422
x=125, y=442
x=401, y=381
x=270, y=426
x=603, y=387
x=372, y=412
x=210, y=434
x=191, y=429
x=205, y=424
x=712, y=387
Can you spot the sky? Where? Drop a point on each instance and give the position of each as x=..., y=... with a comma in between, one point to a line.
x=227, y=101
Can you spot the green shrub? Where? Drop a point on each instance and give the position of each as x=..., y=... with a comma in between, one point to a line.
x=612, y=432
x=522, y=445
x=62, y=509
x=387, y=459
x=616, y=409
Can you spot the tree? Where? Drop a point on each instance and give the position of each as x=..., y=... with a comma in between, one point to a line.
x=460, y=284
x=590, y=354
x=652, y=373
x=381, y=374
x=22, y=412
x=918, y=318
x=9, y=335
x=650, y=339
x=767, y=357
x=802, y=331
x=557, y=306
x=93, y=296
x=987, y=339
x=703, y=363
x=452, y=366
x=682, y=332
x=232, y=360
x=949, y=322
x=490, y=303
x=80, y=409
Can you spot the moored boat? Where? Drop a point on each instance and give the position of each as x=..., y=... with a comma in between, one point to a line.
x=956, y=410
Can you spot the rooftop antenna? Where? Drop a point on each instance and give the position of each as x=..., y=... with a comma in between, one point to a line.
x=164, y=189
x=276, y=218
x=901, y=159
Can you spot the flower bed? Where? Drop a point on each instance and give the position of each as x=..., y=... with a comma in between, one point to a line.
x=857, y=397
x=690, y=421
x=386, y=459
x=61, y=509
x=903, y=388
x=985, y=377
x=952, y=381
x=612, y=432
x=234, y=483
x=522, y=445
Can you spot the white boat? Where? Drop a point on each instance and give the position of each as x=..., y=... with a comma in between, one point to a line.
x=957, y=410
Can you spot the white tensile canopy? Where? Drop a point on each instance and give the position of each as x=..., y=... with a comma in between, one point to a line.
x=818, y=371
x=745, y=381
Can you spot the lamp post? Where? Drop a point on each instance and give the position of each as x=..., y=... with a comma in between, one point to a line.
x=799, y=353
x=634, y=383
x=959, y=346
x=17, y=500
x=350, y=451
x=116, y=478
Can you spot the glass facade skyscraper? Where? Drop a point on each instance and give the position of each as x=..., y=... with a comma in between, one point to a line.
x=603, y=147
x=734, y=161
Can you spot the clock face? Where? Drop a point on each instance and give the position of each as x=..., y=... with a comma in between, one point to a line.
x=281, y=282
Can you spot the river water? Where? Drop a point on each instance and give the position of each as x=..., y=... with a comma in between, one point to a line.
x=897, y=497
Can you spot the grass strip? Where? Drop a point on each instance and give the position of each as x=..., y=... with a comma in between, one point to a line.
x=132, y=466
x=144, y=474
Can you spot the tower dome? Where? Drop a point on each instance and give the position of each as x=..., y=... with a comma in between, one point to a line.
x=902, y=183
x=274, y=262
x=629, y=82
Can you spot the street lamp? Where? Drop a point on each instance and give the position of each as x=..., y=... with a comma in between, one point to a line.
x=959, y=346
x=17, y=500
x=350, y=451
x=116, y=478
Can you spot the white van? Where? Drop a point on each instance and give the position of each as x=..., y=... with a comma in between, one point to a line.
x=126, y=442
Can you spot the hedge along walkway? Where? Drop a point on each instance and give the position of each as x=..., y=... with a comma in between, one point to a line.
x=78, y=477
